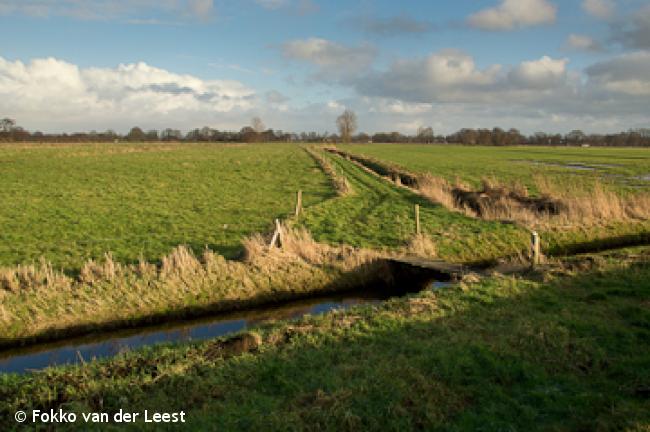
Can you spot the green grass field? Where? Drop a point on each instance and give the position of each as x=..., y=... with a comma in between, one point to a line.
x=379, y=215
x=625, y=168
x=68, y=203
x=563, y=350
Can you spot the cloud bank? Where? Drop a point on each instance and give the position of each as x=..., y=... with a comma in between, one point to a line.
x=603, y=9
x=514, y=14
x=58, y=95
x=446, y=89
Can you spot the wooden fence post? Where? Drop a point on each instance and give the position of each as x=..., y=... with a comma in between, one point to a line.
x=417, y=219
x=277, y=235
x=534, y=249
x=298, y=202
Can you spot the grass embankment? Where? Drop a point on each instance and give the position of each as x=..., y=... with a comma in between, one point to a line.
x=39, y=303
x=339, y=182
x=381, y=216
x=70, y=203
x=571, y=219
x=562, y=350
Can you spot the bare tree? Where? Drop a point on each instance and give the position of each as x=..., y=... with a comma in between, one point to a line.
x=7, y=124
x=347, y=124
x=258, y=127
x=425, y=134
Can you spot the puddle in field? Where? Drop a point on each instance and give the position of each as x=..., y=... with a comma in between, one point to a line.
x=569, y=165
x=578, y=166
x=109, y=344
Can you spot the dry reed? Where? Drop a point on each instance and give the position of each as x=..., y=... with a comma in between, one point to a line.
x=422, y=245
x=341, y=184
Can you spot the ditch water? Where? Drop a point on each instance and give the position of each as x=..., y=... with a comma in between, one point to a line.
x=109, y=344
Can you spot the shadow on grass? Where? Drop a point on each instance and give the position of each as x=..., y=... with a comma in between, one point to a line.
x=503, y=355
x=601, y=244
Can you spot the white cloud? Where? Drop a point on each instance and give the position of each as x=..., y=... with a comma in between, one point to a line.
x=202, y=9
x=634, y=32
x=394, y=106
x=513, y=14
x=539, y=74
x=275, y=97
x=110, y=9
x=51, y=93
x=334, y=60
x=602, y=9
x=607, y=96
x=453, y=77
x=446, y=90
x=626, y=74
x=449, y=75
x=582, y=43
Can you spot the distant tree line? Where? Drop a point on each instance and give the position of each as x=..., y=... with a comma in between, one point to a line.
x=346, y=124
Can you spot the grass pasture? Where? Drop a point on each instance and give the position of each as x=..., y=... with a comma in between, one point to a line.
x=379, y=215
x=69, y=203
x=562, y=350
x=563, y=347
x=622, y=168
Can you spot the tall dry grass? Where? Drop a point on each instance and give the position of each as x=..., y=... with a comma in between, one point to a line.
x=438, y=190
x=341, y=184
x=584, y=205
x=423, y=246
x=298, y=243
x=578, y=205
x=41, y=302
x=593, y=204
x=33, y=277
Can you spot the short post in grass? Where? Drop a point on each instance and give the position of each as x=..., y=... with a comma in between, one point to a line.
x=417, y=219
x=534, y=249
x=298, y=202
x=277, y=235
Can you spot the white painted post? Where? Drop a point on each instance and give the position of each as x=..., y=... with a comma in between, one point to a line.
x=298, y=202
x=278, y=227
x=277, y=235
x=417, y=219
x=534, y=249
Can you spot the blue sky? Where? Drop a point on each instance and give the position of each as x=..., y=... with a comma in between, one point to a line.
x=531, y=64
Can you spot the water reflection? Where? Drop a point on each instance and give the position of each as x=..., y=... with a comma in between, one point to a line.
x=113, y=343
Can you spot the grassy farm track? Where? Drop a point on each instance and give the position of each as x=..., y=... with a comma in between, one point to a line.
x=379, y=214
x=480, y=239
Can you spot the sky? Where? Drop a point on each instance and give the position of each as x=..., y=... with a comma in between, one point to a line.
x=535, y=65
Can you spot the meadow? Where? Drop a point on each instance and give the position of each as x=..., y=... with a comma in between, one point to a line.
x=106, y=222
x=70, y=203
x=378, y=215
x=66, y=204
x=626, y=169
x=560, y=349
